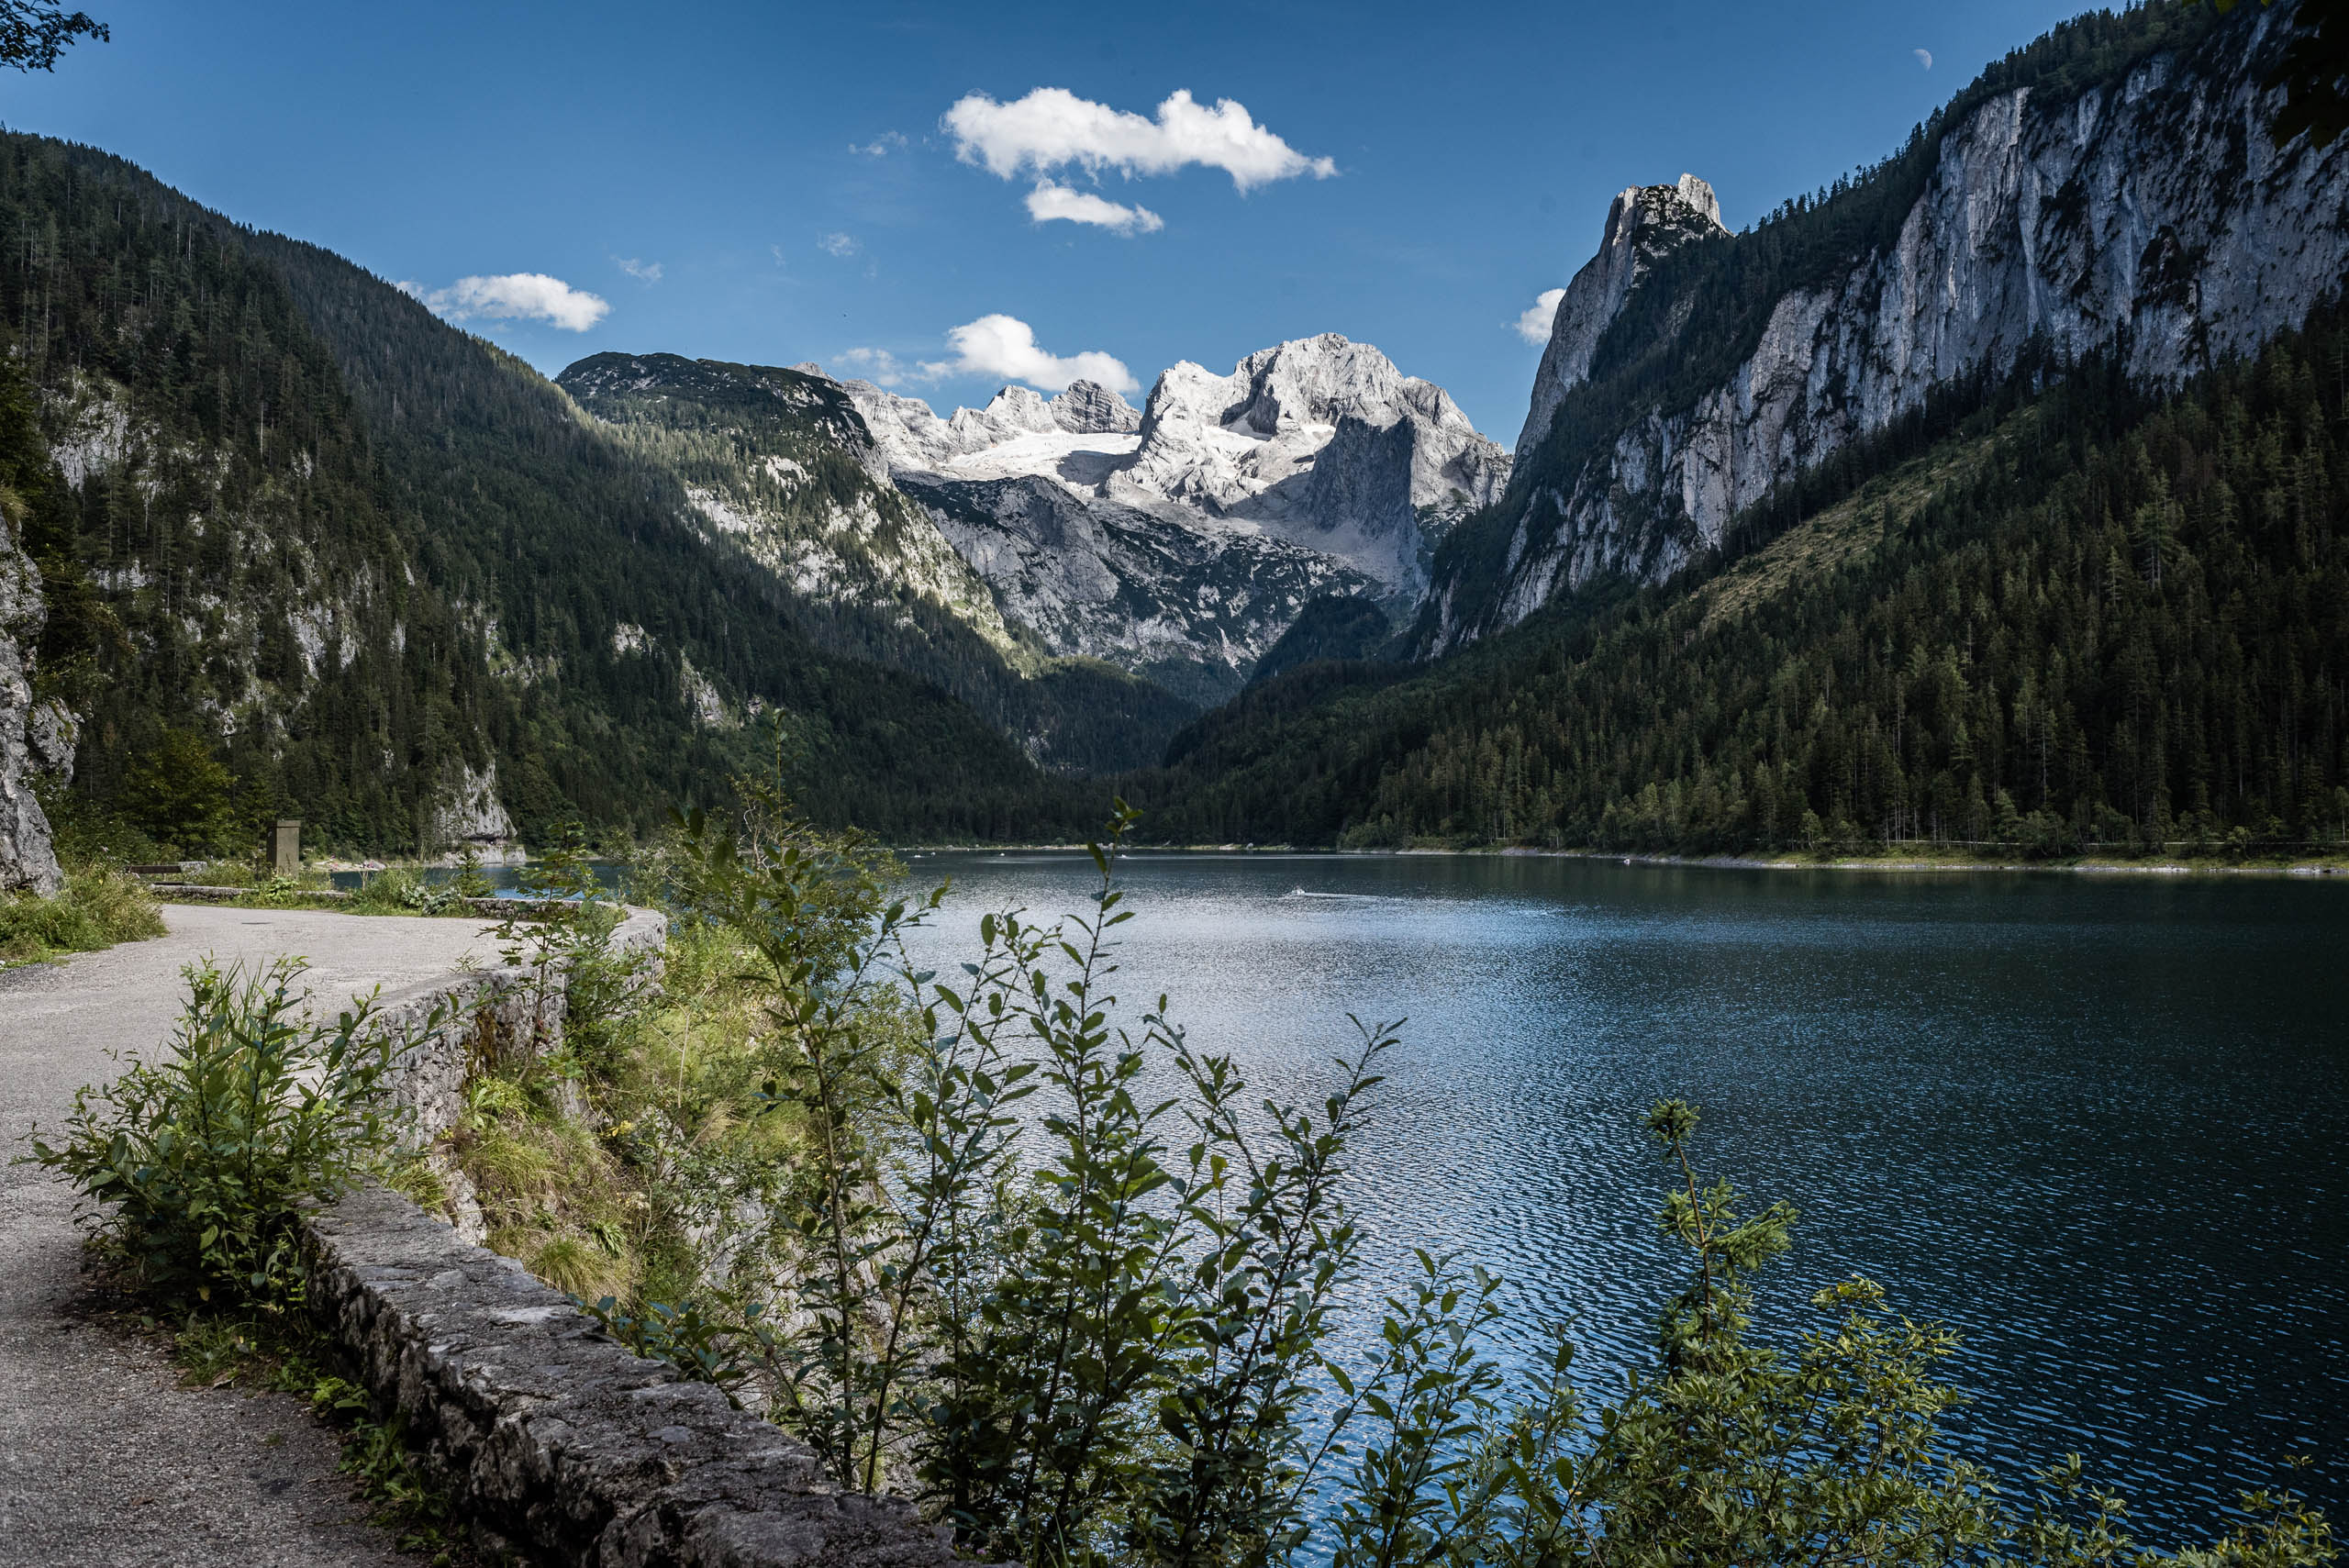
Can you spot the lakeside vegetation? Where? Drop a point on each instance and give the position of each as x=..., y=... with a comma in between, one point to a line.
x=1036, y=1257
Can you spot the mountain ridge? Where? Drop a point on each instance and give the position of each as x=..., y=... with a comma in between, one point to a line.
x=2043, y=220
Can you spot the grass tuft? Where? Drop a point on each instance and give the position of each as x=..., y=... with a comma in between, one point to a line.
x=95, y=909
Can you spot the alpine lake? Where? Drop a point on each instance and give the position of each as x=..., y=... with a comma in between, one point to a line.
x=2097, y=1124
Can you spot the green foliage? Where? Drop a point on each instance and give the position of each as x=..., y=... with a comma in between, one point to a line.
x=309, y=503
x=563, y=532
x=1074, y=1285
x=1331, y=626
x=399, y=891
x=95, y=909
x=2084, y=622
x=195, y=1162
x=1109, y=1352
x=233, y=501
x=178, y=793
x=471, y=881
x=33, y=33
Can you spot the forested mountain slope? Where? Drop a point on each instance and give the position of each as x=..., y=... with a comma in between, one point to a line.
x=2086, y=616
x=390, y=575
x=2112, y=189
x=777, y=465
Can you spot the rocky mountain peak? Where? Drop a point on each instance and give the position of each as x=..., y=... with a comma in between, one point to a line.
x=1088, y=408
x=1179, y=540
x=2139, y=214
x=1021, y=408
x=1320, y=440
x=1644, y=224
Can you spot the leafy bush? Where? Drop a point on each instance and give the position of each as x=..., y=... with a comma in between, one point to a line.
x=403, y=892
x=1072, y=1284
x=95, y=909
x=199, y=1159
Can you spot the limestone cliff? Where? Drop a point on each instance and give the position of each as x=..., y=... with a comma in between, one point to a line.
x=1644, y=224
x=2146, y=214
x=35, y=738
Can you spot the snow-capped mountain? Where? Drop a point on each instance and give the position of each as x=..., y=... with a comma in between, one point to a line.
x=1177, y=542
x=1180, y=540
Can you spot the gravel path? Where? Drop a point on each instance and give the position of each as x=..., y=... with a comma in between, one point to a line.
x=105, y=1460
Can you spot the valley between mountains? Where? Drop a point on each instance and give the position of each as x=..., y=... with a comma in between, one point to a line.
x=1994, y=496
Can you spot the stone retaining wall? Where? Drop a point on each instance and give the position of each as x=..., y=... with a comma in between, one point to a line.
x=558, y=1446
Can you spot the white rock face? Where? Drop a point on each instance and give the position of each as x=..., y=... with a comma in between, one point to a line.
x=1089, y=408
x=1264, y=444
x=34, y=739
x=1644, y=224
x=469, y=813
x=1188, y=534
x=1191, y=602
x=2154, y=217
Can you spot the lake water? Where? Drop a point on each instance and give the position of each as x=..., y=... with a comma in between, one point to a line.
x=2097, y=1124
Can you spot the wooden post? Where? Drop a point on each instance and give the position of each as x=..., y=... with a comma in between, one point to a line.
x=285, y=847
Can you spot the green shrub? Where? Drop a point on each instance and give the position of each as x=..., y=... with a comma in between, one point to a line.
x=197, y=1162
x=1093, y=1328
x=95, y=909
x=402, y=892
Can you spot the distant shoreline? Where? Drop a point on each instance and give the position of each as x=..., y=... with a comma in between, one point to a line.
x=2334, y=866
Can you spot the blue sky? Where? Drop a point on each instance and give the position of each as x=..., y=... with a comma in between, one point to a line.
x=789, y=171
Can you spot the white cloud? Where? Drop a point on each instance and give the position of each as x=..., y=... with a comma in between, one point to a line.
x=514, y=297
x=842, y=245
x=879, y=365
x=645, y=271
x=1924, y=57
x=1005, y=347
x=1049, y=201
x=1053, y=129
x=1533, y=325
x=880, y=146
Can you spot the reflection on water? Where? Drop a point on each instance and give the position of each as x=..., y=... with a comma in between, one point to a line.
x=2097, y=1124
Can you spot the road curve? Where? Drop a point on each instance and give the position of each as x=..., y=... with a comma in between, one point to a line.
x=105, y=1460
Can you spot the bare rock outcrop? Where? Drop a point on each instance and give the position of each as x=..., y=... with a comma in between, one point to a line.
x=34, y=738
x=1180, y=540
x=1088, y=408
x=2151, y=217
x=1644, y=224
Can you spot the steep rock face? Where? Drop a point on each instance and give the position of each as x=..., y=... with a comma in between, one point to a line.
x=1644, y=224
x=778, y=463
x=468, y=814
x=1179, y=540
x=1257, y=445
x=2149, y=216
x=33, y=740
x=1188, y=603
x=1089, y=408
x=909, y=436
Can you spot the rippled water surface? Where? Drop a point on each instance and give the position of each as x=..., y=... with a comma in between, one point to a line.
x=2097, y=1124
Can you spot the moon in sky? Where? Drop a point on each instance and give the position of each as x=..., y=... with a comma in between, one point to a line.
x=1924, y=57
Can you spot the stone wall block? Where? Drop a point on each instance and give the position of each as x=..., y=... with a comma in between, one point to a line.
x=557, y=1444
